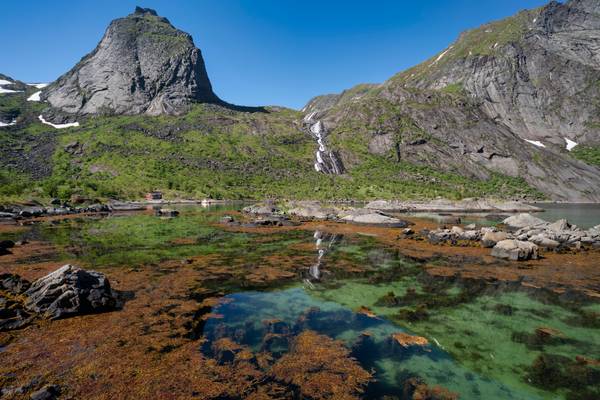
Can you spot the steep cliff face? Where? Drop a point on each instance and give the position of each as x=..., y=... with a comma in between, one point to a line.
x=141, y=65
x=512, y=97
x=537, y=72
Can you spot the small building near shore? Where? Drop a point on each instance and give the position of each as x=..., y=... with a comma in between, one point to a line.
x=156, y=195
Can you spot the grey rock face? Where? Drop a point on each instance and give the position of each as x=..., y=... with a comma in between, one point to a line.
x=141, y=65
x=538, y=84
x=70, y=291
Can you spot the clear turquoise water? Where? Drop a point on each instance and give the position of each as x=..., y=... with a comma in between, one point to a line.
x=482, y=341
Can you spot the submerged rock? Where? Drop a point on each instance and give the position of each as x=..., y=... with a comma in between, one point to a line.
x=405, y=340
x=515, y=250
x=167, y=212
x=321, y=368
x=417, y=389
x=70, y=291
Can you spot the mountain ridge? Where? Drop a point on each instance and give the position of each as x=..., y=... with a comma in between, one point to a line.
x=486, y=69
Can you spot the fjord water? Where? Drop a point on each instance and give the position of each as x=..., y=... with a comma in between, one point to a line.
x=584, y=215
x=482, y=338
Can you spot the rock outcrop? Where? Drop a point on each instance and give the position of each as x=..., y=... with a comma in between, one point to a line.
x=142, y=65
x=70, y=291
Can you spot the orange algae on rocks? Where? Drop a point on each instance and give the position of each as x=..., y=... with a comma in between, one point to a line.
x=366, y=311
x=321, y=368
x=405, y=340
x=416, y=389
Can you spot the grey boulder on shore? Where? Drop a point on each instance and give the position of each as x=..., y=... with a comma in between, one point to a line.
x=515, y=250
x=69, y=291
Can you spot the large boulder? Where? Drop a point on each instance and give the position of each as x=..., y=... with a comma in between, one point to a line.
x=515, y=250
x=489, y=238
x=376, y=219
x=560, y=225
x=311, y=210
x=69, y=291
x=544, y=241
x=523, y=220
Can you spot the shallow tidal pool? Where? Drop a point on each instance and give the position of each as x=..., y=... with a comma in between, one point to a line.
x=484, y=340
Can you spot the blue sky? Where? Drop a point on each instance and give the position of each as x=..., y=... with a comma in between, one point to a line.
x=257, y=52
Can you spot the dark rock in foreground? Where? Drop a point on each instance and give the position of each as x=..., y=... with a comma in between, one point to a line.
x=48, y=392
x=12, y=314
x=70, y=291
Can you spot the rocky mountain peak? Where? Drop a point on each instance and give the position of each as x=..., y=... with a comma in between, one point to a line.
x=589, y=6
x=144, y=11
x=143, y=64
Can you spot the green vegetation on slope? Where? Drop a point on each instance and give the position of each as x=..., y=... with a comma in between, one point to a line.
x=212, y=152
x=482, y=41
x=587, y=154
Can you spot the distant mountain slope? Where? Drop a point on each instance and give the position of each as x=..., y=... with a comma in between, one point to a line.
x=508, y=98
x=141, y=65
x=537, y=72
x=489, y=116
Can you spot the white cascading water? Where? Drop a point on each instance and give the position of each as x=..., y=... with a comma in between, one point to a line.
x=325, y=160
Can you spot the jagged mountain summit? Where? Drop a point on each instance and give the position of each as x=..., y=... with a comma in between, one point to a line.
x=142, y=65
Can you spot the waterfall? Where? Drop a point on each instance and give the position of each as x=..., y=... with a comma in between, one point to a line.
x=326, y=161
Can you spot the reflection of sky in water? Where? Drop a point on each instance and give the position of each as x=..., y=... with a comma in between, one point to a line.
x=247, y=311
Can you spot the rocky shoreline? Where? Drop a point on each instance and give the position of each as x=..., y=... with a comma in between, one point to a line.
x=518, y=237
x=58, y=208
x=522, y=237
